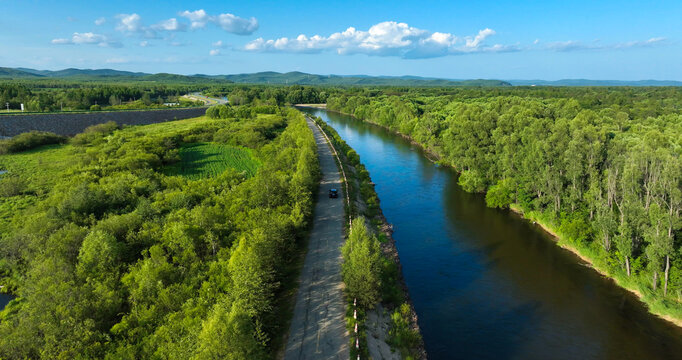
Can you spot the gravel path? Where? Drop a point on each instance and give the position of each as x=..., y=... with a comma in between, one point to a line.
x=318, y=327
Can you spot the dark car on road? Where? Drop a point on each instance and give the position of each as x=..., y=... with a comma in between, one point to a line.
x=333, y=193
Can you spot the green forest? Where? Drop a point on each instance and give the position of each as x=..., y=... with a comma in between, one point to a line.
x=63, y=95
x=600, y=167
x=183, y=239
x=55, y=94
x=152, y=242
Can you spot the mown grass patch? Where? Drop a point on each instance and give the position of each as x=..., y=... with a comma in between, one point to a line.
x=205, y=160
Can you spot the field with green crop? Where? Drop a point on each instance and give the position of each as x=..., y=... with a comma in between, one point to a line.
x=205, y=160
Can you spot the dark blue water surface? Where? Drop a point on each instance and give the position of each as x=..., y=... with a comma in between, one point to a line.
x=487, y=284
x=4, y=300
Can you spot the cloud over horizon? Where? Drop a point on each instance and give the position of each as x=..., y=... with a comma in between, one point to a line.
x=388, y=38
x=228, y=22
x=87, y=38
x=573, y=45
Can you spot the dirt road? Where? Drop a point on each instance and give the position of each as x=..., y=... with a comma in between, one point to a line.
x=318, y=326
x=195, y=96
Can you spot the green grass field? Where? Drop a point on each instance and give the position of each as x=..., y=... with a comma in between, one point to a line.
x=204, y=160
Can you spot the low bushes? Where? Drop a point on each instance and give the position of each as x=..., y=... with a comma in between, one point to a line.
x=94, y=132
x=29, y=140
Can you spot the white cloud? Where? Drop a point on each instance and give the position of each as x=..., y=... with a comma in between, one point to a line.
x=199, y=18
x=218, y=43
x=236, y=25
x=573, y=45
x=87, y=38
x=388, y=38
x=214, y=52
x=116, y=61
x=100, y=21
x=639, y=44
x=61, y=41
x=228, y=22
x=130, y=23
x=144, y=43
x=570, y=45
x=476, y=40
x=171, y=24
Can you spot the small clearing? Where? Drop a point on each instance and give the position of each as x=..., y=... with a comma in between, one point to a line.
x=205, y=160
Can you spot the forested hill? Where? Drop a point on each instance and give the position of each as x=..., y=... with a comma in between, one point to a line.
x=301, y=78
x=270, y=77
x=587, y=82
x=107, y=75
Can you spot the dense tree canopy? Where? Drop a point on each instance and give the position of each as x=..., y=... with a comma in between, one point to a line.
x=56, y=95
x=119, y=260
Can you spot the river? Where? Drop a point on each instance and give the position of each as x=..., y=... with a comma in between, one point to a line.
x=4, y=300
x=488, y=284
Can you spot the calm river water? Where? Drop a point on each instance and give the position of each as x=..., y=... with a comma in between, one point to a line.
x=4, y=300
x=487, y=284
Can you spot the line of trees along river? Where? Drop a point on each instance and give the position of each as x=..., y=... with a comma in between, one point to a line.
x=487, y=284
x=601, y=167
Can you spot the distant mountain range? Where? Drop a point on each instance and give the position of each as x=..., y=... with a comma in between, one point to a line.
x=295, y=77
x=98, y=75
x=269, y=77
x=300, y=78
x=586, y=82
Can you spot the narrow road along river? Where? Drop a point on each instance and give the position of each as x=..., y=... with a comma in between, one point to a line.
x=318, y=328
x=487, y=284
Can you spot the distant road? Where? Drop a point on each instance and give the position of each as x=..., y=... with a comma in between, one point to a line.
x=318, y=328
x=207, y=100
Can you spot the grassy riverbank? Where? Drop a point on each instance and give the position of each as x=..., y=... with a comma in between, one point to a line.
x=593, y=255
x=403, y=333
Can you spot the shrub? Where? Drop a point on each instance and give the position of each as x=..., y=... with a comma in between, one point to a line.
x=220, y=112
x=11, y=186
x=245, y=112
x=401, y=335
x=94, y=132
x=265, y=109
x=499, y=195
x=29, y=140
x=471, y=181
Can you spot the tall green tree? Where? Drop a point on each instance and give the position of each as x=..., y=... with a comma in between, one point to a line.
x=361, y=267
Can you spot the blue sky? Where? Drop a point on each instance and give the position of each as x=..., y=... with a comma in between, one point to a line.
x=627, y=40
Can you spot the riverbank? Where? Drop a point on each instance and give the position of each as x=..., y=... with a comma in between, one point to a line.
x=653, y=304
x=364, y=201
x=594, y=265
x=430, y=154
x=316, y=106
